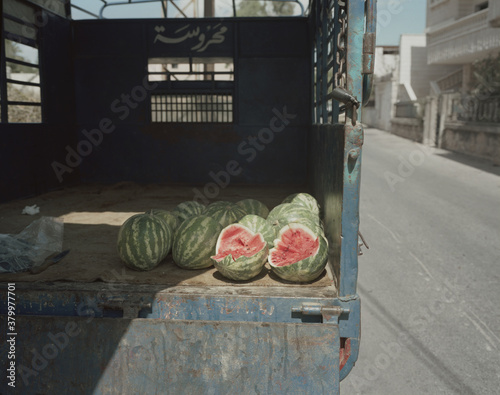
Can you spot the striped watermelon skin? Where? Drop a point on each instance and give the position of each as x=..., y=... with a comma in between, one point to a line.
x=244, y=267
x=144, y=241
x=304, y=199
x=194, y=242
x=167, y=216
x=260, y=225
x=252, y=206
x=187, y=210
x=287, y=213
x=225, y=213
x=305, y=270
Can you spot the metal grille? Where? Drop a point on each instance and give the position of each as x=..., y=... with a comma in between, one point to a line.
x=329, y=57
x=190, y=108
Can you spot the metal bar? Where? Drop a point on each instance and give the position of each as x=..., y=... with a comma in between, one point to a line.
x=22, y=40
x=24, y=103
x=352, y=152
x=21, y=62
x=27, y=83
x=3, y=72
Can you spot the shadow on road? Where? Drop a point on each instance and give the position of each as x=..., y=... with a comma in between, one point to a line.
x=478, y=163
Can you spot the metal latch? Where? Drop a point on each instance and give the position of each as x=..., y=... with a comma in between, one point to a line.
x=328, y=313
x=351, y=104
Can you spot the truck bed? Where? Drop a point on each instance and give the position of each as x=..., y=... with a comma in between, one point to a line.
x=92, y=216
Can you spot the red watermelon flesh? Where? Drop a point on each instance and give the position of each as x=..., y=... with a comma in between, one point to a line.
x=295, y=245
x=238, y=241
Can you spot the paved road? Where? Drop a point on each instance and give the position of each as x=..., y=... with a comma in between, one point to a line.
x=430, y=283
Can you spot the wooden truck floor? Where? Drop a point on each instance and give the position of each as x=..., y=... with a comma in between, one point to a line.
x=92, y=216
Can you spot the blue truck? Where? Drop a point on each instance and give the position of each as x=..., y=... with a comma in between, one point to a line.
x=140, y=113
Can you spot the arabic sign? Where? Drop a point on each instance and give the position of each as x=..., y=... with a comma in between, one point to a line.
x=193, y=37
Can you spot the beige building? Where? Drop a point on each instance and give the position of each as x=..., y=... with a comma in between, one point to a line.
x=457, y=117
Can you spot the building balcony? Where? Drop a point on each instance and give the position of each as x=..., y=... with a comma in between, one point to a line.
x=463, y=40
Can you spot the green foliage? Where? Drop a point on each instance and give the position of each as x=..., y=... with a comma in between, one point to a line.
x=265, y=8
x=486, y=76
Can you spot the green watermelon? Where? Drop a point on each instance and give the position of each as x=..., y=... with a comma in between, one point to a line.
x=167, y=216
x=287, y=213
x=194, y=242
x=259, y=225
x=187, y=210
x=144, y=240
x=252, y=206
x=240, y=253
x=224, y=212
x=303, y=199
x=299, y=254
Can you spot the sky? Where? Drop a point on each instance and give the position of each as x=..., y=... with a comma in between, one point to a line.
x=396, y=17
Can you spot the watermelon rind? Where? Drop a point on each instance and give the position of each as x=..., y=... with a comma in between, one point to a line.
x=303, y=199
x=253, y=206
x=144, y=240
x=225, y=213
x=194, y=242
x=260, y=225
x=188, y=209
x=305, y=270
x=167, y=216
x=287, y=213
x=243, y=268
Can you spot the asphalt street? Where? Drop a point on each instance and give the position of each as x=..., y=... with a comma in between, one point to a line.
x=430, y=282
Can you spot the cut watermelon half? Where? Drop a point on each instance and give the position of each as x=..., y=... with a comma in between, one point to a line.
x=299, y=255
x=240, y=253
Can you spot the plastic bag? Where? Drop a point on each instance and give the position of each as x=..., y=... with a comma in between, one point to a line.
x=32, y=246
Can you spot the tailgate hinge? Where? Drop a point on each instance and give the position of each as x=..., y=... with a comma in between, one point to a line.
x=330, y=314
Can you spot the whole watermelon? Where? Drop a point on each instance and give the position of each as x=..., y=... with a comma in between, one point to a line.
x=194, y=242
x=144, y=241
x=187, y=210
x=252, y=206
x=167, y=216
x=224, y=212
x=287, y=213
x=299, y=254
x=303, y=199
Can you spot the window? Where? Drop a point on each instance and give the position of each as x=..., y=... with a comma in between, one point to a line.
x=192, y=90
x=481, y=6
x=20, y=100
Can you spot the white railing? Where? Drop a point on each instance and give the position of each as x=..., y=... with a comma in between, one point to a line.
x=462, y=38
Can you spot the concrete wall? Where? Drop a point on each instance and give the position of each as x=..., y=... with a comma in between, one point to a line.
x=410, y=128
x=472, y=139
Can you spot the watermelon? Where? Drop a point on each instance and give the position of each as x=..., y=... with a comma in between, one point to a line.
x=224, y=212
x=259, y=225
x=144, y=240
x=252, y=206
x=287, y=213
x=187, y=210
x=299, y=254
x=194, y=242
x=167, y=216
x=304, y=199
x=240, y=253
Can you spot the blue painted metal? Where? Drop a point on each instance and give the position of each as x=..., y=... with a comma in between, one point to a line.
x=352, y=153
x=158, y=337
x=123, y=356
